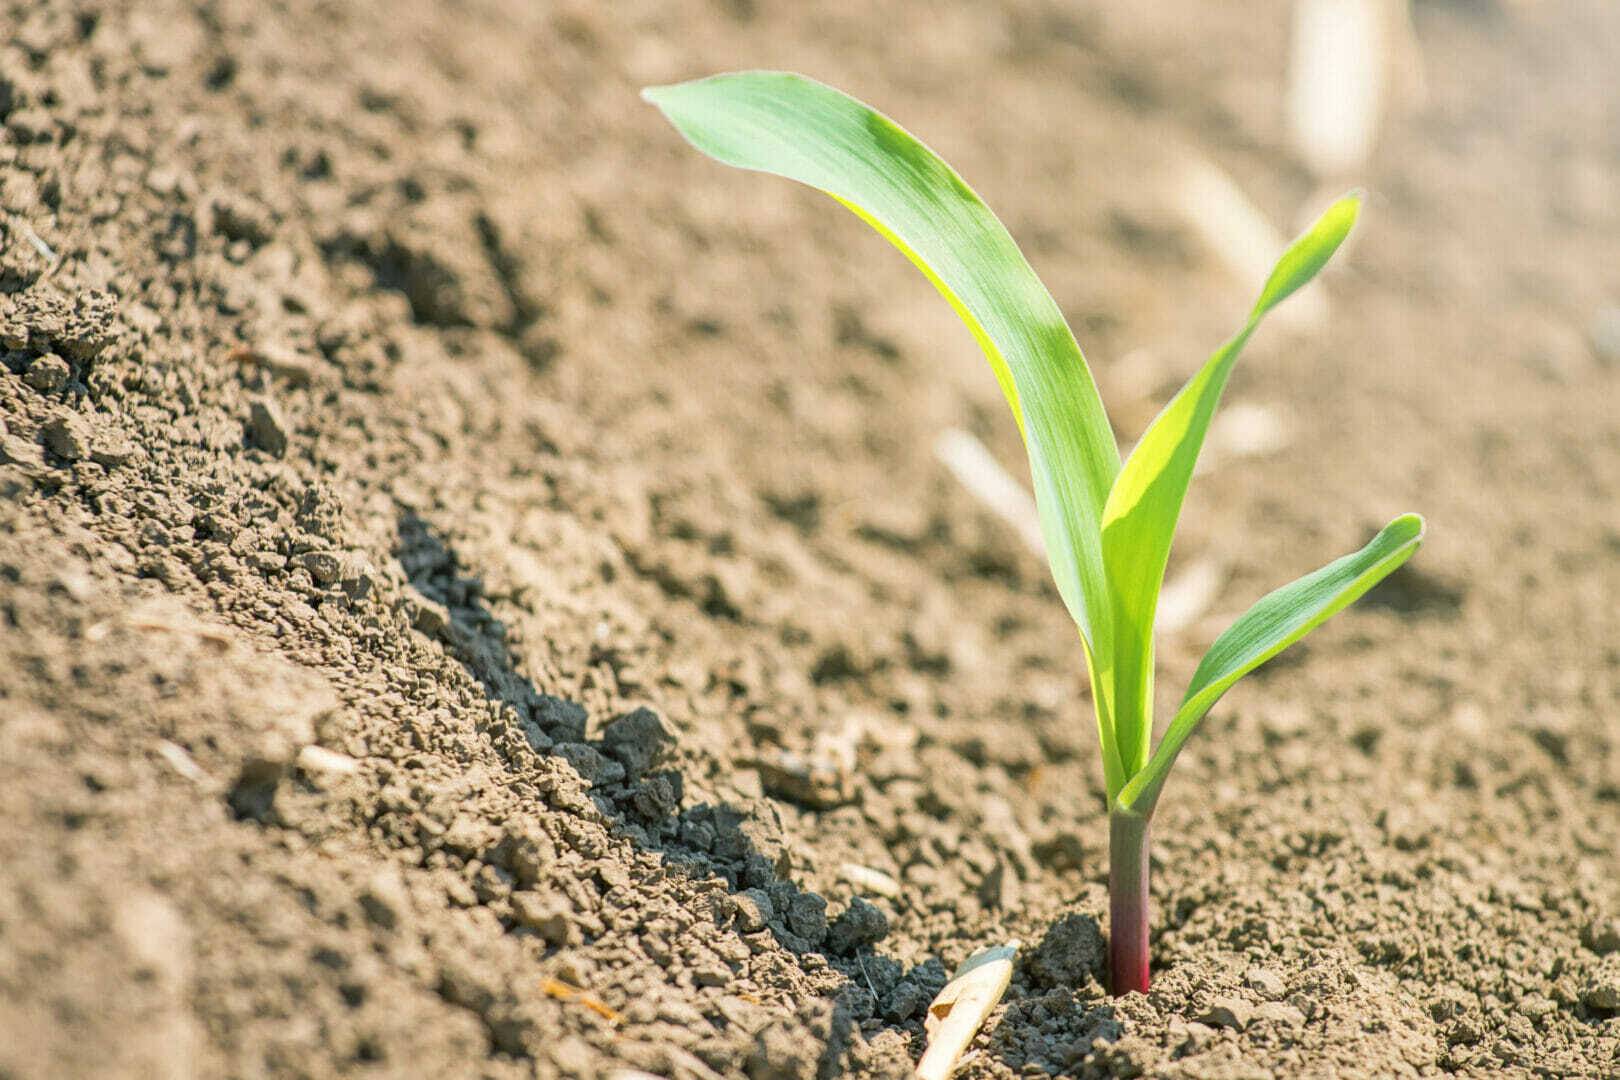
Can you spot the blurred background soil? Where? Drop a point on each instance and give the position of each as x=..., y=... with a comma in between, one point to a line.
x=478, y=595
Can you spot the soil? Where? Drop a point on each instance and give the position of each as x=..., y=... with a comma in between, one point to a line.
x=477, y=596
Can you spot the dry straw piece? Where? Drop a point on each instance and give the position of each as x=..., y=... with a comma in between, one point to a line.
x=960, y=1010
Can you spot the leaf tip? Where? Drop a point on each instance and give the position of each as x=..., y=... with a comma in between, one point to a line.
x=1413, y=525
x=1343, y=213
x=657, y=95
x=1310, y=251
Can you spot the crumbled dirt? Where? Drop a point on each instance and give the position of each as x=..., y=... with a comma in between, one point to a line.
x=476, y=596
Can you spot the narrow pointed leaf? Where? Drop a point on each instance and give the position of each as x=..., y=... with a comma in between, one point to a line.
x=792, y=126
x=1275, y=622
x=1139, y=521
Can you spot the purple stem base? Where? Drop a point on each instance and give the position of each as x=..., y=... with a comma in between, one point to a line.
x=1127, y=903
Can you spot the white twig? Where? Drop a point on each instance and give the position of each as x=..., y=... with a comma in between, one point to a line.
x=1242, y=430
x=1336, y=81
x=1244, y=238
x=986, y=480
x=1188, y=595
x=40, y=245
x=313, y=758
x=181, y=762
x=869, y=880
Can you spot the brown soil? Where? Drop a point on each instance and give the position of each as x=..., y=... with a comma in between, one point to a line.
x=443, y=516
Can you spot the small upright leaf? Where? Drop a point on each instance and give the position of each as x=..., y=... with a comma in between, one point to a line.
x=1275, y=622
x=1139, y=522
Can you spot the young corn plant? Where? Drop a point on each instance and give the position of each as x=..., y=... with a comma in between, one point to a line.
x=1107, y=525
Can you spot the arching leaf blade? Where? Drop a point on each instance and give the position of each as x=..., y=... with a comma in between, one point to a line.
x=795, y=127
x=1139, y=520
x=1276, y=621
x=992, y=352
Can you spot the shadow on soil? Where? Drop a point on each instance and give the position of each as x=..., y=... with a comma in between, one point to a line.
x=743, y=844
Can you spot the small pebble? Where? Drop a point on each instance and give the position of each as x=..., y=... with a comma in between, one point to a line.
x=48, y=374
x=1280, y=1013
x=111, y=449
x=907, y=1000
x=268, y=429
x=181, y=762
x=613, y=875
x=714, y=974
x=544, y=915
x=655, y=798
x=281, y=361
x=752, y=910
x=1536, y=1006
x=271, y=562
x=1266, y=982
x=323, y=566
x=430, y=618
x=68, y=437
x=637, y=740
x=1228, y=1012
x=1191, y=1033
x=1603, y=993
x=807, y=916
x=1602, y=935
x=860, y=924
x=384, y=899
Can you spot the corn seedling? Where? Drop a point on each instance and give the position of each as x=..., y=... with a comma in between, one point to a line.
x=1107, y=525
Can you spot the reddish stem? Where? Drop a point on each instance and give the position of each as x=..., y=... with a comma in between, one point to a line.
x=1127, y=903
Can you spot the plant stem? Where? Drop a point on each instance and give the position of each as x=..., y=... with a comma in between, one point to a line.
x=1127, y=902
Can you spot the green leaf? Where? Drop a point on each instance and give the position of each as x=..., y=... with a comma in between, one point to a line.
x=1139, y=520
x=792, y=126
x=1275, y=622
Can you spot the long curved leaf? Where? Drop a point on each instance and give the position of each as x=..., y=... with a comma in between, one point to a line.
x=1139, y=520
x=1275, y=622
x=792, y=126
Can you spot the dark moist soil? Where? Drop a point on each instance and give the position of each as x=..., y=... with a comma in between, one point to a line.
x=458, y=546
